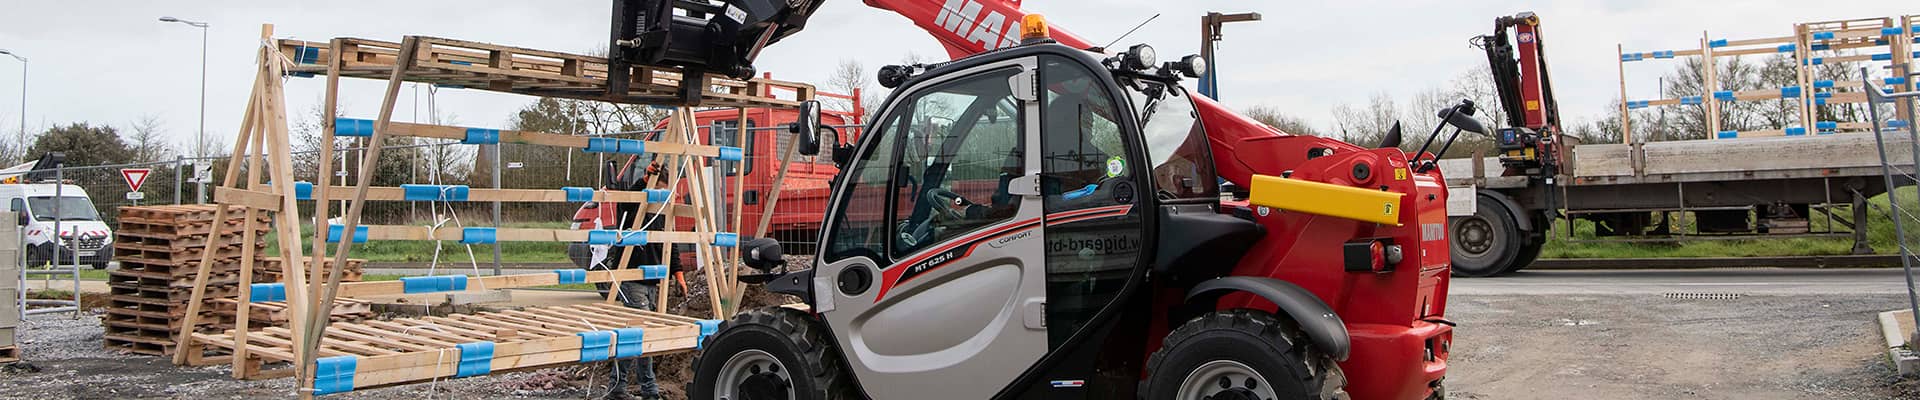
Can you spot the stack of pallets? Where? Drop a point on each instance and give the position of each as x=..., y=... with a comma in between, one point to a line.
x=267, y=269
x=159, y=249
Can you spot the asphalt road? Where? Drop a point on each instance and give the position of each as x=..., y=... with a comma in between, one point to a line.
x=1746, y=281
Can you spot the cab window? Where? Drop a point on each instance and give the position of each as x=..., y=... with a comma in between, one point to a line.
x=960, y=146
x=860, y=223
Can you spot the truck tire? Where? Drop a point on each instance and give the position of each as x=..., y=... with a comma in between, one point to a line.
x=1241, y=354
x=1529, y=252
x=1485, y=243
x=770, y=353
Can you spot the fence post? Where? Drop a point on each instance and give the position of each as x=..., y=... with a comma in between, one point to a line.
x=177, y=160
x=497, y=164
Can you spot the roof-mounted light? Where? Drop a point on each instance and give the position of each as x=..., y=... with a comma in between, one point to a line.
x=1193, y=66
x=1139, y=57
x=1033, y=27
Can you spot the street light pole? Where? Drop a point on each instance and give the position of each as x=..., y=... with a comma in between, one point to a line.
x=200, y=137
x=23, y=99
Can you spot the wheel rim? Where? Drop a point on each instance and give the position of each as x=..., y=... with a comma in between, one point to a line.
x=1473, y=235
x=753, y=375
x=1225, y=380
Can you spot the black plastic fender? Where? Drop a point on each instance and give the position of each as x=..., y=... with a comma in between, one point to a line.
x=1520, y=217
x=1328, y=333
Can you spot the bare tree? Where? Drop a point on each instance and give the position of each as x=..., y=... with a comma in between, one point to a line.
x=849, y=78
x=147, y=140
x=1272, y=116
x=1366, y=126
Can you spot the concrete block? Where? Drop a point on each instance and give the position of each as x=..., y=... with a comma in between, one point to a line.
x=480, y=297
x=7, y=337
x=1896, y=326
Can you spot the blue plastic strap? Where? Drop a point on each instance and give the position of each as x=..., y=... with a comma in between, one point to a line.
x=1819, y=47
x=1891, y=30
x=414, y=192
x=603, y=145
x=1823, y=84
x=1882, y=57
x=482, y=136
x=1896, y=124
x=352, y=127
x=633, y=238
x=1717, y=43
x=1815, y=61
x=303, y=190
x=1663, y=54
x=658, y=195
x=334, y=374
x=595, y=345
x=728, y=153
x=629, y=342
x=708, y=327
x=1796, y=131
x=571, y=276
x=1819, y=102
x=1785, y=48
x=1826, y=125
x=334, y=231
x=1822, y=35
x=1724, y=95
x=1629, y=57
x=726, y=239
x=1727, y=134
x=578, y=194
x=1081, y=192
x=1690, y=100
x=311, y=55
x=1790, y=91
x=1897, y=80
x=479, y=235
x=1636, y=104
x=260, y=292
x=602, y=237
x=629, y=146
x=476, y=359
x=1822, y=95
x=651, y=272
x=433, y=284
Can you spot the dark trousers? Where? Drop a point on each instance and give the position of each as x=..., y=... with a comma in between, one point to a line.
x=640, y=295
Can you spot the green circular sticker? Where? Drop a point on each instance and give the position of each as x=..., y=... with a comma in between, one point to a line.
x=1116, y=166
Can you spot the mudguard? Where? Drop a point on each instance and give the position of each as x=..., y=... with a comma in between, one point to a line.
x=1520, y=217
x=1321, y=324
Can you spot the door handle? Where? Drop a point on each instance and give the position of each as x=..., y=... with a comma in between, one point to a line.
x=1027, y=185
x=1033, y=313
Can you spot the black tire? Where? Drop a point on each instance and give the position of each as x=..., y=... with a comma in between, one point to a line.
x=1485, y=243
x=1262, y=347
x=97, y=265
x=1529, y=252
x=804, y=359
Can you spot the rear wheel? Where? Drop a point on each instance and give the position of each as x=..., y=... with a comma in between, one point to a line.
x=1485, y=243
x=771, y=353
x=1241, y=354
x=1529, y=252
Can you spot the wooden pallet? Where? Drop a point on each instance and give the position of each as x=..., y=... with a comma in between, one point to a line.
x=9, y=354
x=174, y=270
x=406, y=351
x=274, y=313
x=268, y=269
x=484, y=66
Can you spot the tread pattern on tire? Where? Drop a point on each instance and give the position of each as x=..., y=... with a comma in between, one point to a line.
x=1321, y=375
x=829, y=376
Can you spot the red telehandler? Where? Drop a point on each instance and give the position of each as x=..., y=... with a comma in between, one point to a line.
x=1039, y=218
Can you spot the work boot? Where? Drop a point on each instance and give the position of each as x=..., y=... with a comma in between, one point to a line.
x=655, y=396
x=618, y=394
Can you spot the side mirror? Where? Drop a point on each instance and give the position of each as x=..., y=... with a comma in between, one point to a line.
x=807, y=127
x=1461, y=116
x=1392, y=139
x=22, y=219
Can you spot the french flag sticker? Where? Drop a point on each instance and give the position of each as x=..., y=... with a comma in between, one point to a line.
x=1069, y=383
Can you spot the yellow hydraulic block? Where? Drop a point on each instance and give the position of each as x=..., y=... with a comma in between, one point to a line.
x=1376, y=206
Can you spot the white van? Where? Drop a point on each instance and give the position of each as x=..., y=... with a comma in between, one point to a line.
x=80, y=228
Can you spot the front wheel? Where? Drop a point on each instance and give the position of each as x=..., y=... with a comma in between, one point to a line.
x=771, y=353
x=1486, y=243
x=1241, y=354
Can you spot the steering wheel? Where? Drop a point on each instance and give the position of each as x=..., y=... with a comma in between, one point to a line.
x=945, y=205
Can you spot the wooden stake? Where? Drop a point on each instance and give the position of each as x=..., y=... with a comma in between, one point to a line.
x=219, y=215
x=1626, y=114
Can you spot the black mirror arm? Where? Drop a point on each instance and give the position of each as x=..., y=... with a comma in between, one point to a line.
x=1435, y=134
x=1443, y=152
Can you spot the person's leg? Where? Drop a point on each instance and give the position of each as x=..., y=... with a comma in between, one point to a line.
x=640, y=295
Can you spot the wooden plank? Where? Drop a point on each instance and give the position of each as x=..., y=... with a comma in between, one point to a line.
x=425, y=233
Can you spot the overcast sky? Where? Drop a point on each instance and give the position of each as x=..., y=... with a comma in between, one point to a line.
x=112, y=62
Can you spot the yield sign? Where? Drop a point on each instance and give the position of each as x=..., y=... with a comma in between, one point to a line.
x=135, y=177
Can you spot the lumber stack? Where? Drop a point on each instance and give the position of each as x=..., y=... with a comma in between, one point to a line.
x=275, y=314
x=159, y=249
x=267, y=269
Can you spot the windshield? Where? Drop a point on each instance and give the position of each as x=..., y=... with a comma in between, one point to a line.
x=1176, y=142
x=72, y=208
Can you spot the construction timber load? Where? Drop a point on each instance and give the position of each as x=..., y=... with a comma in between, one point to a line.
x=1740, y=183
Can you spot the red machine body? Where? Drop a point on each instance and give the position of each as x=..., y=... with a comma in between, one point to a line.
x=1396, y=318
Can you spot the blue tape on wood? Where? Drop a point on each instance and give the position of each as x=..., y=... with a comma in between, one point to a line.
x=1822, y=35
x=1820, y=47
x=1785, y=48
x=260, y=292
x=1790, y=91
x=1717, y=43
x=629, y=342
x=1819, y=102
x=602, y=237
x=1796, y=131
x=1822, y=95
x=651, y=272
x=595, y=345
x=578, y=194
x=633, y=238
x=1629, y=57
x=412, y=192
x=1636, y=104
x=729, y=153
x=1890, y=31
x=603, y=145
x=571, y=276
x=334, y=231
x=300, y=74
x=1823, y=84
x=630, y=146
x=1663, y=54
x=311, y=55
x=1882, y=57
x=1690, y=100
x=479, y=235
x=334, y=374
x=303, y=190
x=1898, y=80
x=1896, y=124
x=476, y=359
x=1724, y=95
x=708, y=327
x=433, y=284
x=1727, y=135
x=352, y=127
x=1826, y=125
x=482, y=136
x=1815, y=61
x=726, y=239
x=658, y=195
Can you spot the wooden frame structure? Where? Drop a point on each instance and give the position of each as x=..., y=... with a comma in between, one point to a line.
x=1889, y=39
x=332, y=358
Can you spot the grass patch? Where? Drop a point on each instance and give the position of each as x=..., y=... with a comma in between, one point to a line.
x=570, y=286
x=1880, y=235
x=450, y=251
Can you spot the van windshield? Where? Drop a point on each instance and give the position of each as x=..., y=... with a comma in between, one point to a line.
x=72, y=208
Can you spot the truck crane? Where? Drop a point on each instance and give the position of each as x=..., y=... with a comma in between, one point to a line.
x=1039, y=218
x=1505, y=229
